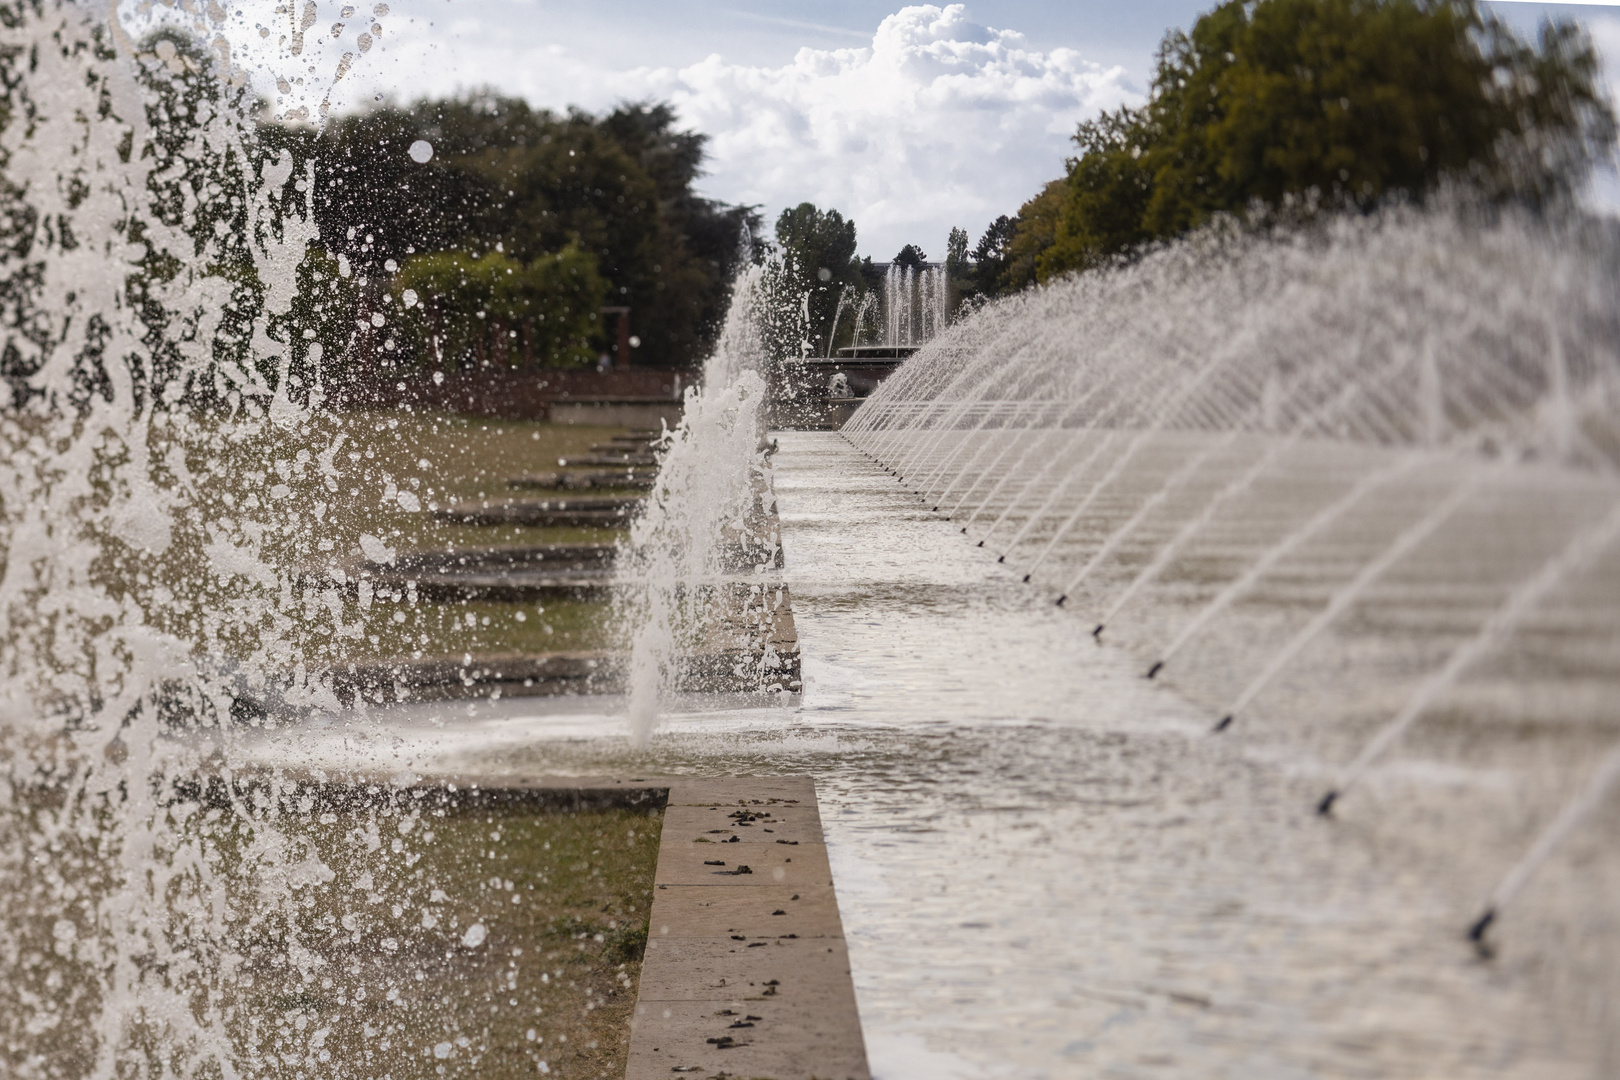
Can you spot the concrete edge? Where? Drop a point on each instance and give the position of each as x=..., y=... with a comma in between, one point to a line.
x=746, y=972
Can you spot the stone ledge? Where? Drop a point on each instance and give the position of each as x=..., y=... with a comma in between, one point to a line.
x=745, y=975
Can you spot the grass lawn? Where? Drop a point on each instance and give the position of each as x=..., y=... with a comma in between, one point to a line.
x=472, y=460
x=311, y=497
x=496, y=941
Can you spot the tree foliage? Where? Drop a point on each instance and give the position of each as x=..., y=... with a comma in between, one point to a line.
x=818, y=247
x=615, y=189
x=1344, y=102
x=466, y=311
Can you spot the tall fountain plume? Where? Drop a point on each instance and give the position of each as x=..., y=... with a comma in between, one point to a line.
x=705, y=551
x=166, y=475
x=1343, y=475
x=915, y=305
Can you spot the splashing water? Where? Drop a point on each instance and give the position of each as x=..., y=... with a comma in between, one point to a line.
x=1318, y=474
x=167, y=484
x=706, y=542
x=916, y=305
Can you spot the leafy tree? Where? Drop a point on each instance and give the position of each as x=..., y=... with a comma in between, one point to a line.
x=1349, y=102
x=911, y=256
x=461, y=311
x=529, y=183
x=956, y=252
x=819, y=246
x=1034, y=234
x=979, y=272
x=1102, y=208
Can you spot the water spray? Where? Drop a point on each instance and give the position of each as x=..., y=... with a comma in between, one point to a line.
x=1573, y=813
x=1502, y=623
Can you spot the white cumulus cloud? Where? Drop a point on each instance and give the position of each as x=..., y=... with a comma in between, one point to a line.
x=939, y=122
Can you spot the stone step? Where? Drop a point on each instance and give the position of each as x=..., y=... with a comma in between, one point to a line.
x=610, y=459
x=447, y=679
x=638, y=479
x=501, y=575
x=599, y=510
x=730, y=671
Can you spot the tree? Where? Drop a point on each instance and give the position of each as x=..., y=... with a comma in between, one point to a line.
x=1034, y=233
x=465, y=312
x=911, y=256
x=956, y=252
x=530, y=182
x=1348, y=102
x=819, y=246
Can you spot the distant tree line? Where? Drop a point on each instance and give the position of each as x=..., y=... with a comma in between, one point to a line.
x=1303, y=106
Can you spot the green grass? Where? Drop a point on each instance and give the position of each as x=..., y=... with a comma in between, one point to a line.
x=487, y=629
x=402, y=982
x=300, y=499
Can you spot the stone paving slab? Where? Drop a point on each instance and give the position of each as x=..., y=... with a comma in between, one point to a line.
x=744, y=791
x=798, y=865
x=714, y=911
x=750, y=825
x=783, y=1043
x=745, y=975
x=795, y=971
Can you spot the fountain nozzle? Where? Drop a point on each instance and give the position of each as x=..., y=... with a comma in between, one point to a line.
x=1062, y=598
x=1026, y=579
x=1225, y=722
x=1476, y=932
x=1154, y=670
x=1325, y=807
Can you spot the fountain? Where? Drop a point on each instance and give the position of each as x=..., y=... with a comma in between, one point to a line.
x=704, y=554
x=823, y=391
x=1326, y=512
x=1307, y=474
x=169, y=484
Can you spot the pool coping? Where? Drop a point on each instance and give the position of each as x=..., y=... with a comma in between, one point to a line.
x=746, y=972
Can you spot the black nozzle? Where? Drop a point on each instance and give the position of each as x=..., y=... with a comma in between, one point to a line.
x=1225, y=722
x=1476, y=932
x=1325, y=807
x=1001, y=558
x=1154, y=670
x=979, y=544
x=1062, y=598
x=1096, y=631
x=1026, y=579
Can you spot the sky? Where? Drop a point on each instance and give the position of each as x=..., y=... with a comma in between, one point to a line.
x=910, y=120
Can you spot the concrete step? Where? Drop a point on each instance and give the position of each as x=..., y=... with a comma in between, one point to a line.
x=600, y=510
x=638, y=479
x=729, y=671
x=613, y=458
x=448, y=679
x=502, y=575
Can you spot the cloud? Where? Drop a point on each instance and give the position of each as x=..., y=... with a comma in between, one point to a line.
x=938, y=121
